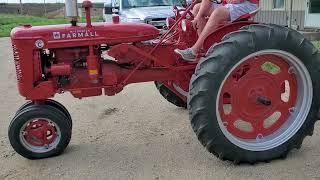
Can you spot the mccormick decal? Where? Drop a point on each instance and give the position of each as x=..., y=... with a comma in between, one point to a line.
x=74, y=34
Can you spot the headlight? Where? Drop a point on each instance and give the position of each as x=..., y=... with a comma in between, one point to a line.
x=170, y=22
x=167, y=23
x=184, y=25
x=134, y=20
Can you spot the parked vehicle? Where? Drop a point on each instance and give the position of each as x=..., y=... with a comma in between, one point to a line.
x=154, y=12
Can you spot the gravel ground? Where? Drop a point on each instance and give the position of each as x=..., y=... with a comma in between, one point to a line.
x=134, y=135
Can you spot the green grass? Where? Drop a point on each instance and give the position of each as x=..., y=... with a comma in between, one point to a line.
x=9, y=21
x=317, y=44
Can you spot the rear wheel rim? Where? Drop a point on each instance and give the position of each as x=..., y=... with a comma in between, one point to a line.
x=40, y=135
x=264, y=100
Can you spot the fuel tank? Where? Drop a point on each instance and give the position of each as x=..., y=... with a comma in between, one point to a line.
x=59, y=36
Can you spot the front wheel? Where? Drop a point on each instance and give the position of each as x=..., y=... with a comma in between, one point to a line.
x=52, y=103
x=255, y=97
x=39, y=131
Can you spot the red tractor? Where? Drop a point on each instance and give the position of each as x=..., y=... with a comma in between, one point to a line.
x=252, y=96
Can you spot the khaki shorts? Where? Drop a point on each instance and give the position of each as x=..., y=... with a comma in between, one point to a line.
x=237, y=10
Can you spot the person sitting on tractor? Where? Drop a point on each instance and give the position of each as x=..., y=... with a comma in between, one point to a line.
x=228, y=10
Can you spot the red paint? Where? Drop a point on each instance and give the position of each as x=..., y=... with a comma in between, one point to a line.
x=77, y=36
x=170, y=22
x=87, y=6
x=74, y=52
x=60, y=70
x=37, y=71
x=224, y=29
x=80, y=93
x=245, y=84
x=39, y=133
x=115, y=19
x=113, y=74
x=93, y=66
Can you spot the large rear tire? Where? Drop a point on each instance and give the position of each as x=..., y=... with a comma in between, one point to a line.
x=255, y=96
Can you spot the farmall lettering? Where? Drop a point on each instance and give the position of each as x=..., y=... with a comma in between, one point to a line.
x=75, y=34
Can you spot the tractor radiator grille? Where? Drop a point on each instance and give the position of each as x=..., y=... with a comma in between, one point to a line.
x=17, y=62
x=157, y=22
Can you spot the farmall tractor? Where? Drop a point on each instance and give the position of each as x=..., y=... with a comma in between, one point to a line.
x=252, y=94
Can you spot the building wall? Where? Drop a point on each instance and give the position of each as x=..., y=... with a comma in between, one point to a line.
x=280, y=16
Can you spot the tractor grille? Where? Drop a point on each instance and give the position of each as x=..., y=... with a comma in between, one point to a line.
x=17, y=62
x=157, y=22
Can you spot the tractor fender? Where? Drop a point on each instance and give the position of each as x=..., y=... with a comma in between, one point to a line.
x=222, y=30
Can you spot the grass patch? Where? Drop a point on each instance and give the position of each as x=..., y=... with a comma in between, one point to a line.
x=317, y=44
x=9, y=21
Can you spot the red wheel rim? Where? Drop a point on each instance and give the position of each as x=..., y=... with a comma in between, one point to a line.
x=39, y=133
x=256, y=90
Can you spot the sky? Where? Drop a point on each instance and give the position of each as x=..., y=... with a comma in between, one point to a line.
x=41, y=1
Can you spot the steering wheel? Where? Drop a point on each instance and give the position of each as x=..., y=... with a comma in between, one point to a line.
x=218, y=1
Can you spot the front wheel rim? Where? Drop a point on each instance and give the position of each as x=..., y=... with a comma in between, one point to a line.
x=40, y=135
x=264, y=80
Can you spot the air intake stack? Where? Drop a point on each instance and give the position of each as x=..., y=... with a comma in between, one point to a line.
x=72, y=11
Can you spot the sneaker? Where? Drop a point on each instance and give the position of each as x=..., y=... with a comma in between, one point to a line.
x=186, y=54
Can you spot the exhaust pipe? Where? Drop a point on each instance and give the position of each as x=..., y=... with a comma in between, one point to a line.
x=72, y=11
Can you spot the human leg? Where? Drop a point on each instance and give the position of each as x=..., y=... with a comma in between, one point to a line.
x=218, y=15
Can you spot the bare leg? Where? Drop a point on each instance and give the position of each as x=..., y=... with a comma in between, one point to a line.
x=219, y=15
x=204, y=28
x=201, y=11
x=205, y=8
x=201, y=24
x=196, y=9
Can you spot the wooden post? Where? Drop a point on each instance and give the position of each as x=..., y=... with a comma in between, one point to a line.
x=21, y=7
x=45, y=8
x=290, y=14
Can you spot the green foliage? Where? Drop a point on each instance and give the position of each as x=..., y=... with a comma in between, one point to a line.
x=317, y=44
x=9, y=21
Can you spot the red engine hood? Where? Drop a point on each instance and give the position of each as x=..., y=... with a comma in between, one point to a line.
x=57, y=36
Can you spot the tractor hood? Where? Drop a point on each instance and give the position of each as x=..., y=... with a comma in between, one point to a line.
x=58, y=36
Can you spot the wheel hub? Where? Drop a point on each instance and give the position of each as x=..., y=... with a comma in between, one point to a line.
x=245, y=97
x=254, y=91
x=39, y=133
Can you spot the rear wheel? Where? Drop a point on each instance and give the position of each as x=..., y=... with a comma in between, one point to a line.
x=39, y=131
x=169, y=95
x=254, y=101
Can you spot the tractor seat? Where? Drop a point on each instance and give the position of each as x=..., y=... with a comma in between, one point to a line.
x=248, y=16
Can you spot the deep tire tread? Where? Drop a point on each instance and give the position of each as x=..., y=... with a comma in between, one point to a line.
x=249, y=39
x=39, y=111
x=52, y=103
